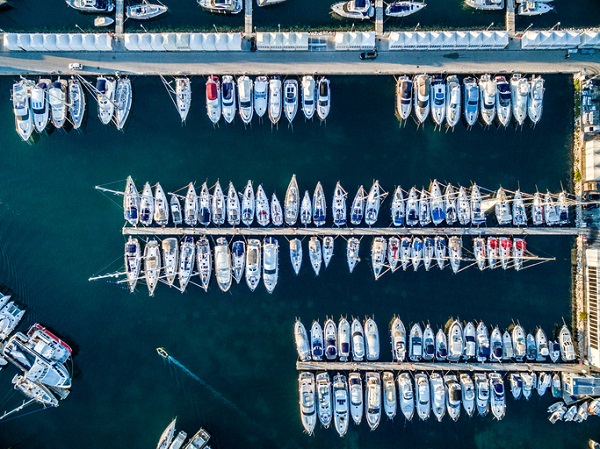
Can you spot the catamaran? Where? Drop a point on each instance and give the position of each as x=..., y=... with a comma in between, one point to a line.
x=519, y=88
x=248, y=204
x=152, y=265
x=438, y=106
x=228, y=98
x=76, y=102
x=404, y=93
x=245, y=98
x=471, y=100
x=453, y=101
x=213, y=99
x=308, y=96
x=57, y=97
x=261, y=93
x=290, y=99
x=487, y=90
x=183, y=96
x=275, y=104
x=105, y=94
x=291, y=202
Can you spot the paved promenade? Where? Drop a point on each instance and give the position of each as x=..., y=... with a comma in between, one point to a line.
x=293, y=63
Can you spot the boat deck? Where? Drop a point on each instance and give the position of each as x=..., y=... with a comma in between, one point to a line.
x=329, y=231
x=443, y=366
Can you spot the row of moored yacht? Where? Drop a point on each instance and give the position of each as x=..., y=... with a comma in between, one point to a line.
x=355, y=397
x=168, y=439
x=183, y=261
x=490, y=99
x=577, y=412
x=36, y=105
x=364, y=9
x=415, y=207
x=525, y=7
x=459, y=343
x=263, y=95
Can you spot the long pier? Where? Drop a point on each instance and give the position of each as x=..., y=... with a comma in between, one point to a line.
x=283, y=231
x=119, y=17
x=444, y=367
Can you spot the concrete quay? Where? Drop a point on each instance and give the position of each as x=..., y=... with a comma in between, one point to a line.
x=299, y=62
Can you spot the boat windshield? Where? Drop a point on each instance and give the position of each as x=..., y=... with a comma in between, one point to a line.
x=423, y=103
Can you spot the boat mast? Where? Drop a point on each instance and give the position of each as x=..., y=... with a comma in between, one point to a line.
x=19, y=408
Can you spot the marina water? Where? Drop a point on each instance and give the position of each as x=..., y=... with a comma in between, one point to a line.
x=56, y=231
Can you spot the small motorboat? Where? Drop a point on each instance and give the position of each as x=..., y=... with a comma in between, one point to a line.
x=352, y=253
x=145, y=11
x=470, y=341
x=222, y=6
x=123, y=99
x=428, y=343
x=324, y=96
x=455, y=341
x=507, y=347
x=471, y=100
x=103, y=21
x=485, y=5
x=228, y=98
x=261, y=94
x=441, y=346
x=213, y=99
x=308, y=96
x=496, y=347
x=403, y=8
x=404, y=94
x=296, y=254
x=516, y=384
x=290, y=99
x=245, y=98
x=291, y=202
x=94, y=6
x=275, y=104
x=541, y=345
x=519, y=343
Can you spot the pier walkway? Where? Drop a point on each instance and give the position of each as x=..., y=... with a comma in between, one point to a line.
x=379, y=18
x=284, y=231
x=442, y=366
x=299, y=62
x=248, y=17
x=119, y=17
x=510, y=18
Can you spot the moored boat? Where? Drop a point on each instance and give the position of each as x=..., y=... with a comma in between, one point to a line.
x=315, y=254
x=407, y=397
x=503, y=101
x=233, y=206
x=438, y=396
x=253, y=264
x=355, y=387
x=453, y=101
x=222, y=6
x=223, y=268
x=245, y=98
x=319, y=208
x=290, y=99
x=316, y=341
x=152, y=265
x=308, y=96
x=398, y=207
x=487, y=91
x=170, y=252
x=22, y=109
x=175, y=206
x=183, y=96
x=398, y=339
x=191, y=206
x=373, y=399
x=344, y=340
x=95, y=6
x=213, y=99
x=536, y=99
x=415, y=343
x=261, y=93
x=471, y=100
x=76, y=103
x=291, y=202
x=358, y=207
x=354, y=9
x=131, y=202
x=324, y=399
x=371, y=339
x=133, y=262
x=438, y=104
x=338, y=206
x=404, y=94
x=238, y=259
x=187, y=257
x=324, y=95
x=403, y=8
x=146, y=205
x=422, y=89
x=123, y=98
x=275, y=104
x=340, y=401
x=453, y=396
x=228, y=98
x=378, y=254
x=302, y=342
x=519, y=88
x=105, y=95
x=308, y=412
x=204, y=262
x=328, y=243
x=422, y=396
x=57, y=98
x=161, y=206
x=352, y=253
x=39, y=102
x=306, y=209
x=248, y=204
x=270, y=263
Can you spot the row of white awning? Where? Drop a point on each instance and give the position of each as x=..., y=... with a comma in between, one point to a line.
x=447, y=40
x=57, y=42
x=183, y=42
x=539, y=40
x=292, y=41
x=361, y=40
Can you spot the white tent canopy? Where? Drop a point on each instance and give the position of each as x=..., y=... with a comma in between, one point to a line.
x=37, y=42
x=550, y=39
x=590, y=39
x=354, y=40
x=50, y=42
x=447, y=40
x=62, y=42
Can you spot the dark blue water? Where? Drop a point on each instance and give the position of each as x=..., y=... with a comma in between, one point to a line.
x=56, y=231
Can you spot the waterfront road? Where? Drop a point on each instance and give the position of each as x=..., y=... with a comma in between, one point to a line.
x=298, y=62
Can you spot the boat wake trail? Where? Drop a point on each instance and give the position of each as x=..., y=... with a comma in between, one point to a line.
x=174, y=362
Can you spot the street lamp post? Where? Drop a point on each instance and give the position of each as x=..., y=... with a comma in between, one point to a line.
x=530, y=25
x=491, y=25
x=79, y=28
x=143, y=28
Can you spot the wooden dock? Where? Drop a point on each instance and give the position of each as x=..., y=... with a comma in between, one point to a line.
x=443, y=366
x=248, y=17
x=349, y=232
x=379, y=18
x=119, y=17
x=510, y=18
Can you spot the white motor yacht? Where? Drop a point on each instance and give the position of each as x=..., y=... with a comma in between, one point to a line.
x=275, y=102
x=415, y=343
x=453, y=396
x=422, y=396
x=316, y=341
x=344, y=340
x=152, y=265
x=183, y=96
x=541, y=343
x=404, y=94
x=76, y=102
x=308, y=411
x=438, y=395
x=438, y=105
x=261, y=94
x=330, y=331
x=536, y=99
x=57, y=98
x=497, y=397
x=482, y=393
x=340, y=401
x=213, y=99
x=356, y=397
x=223, y=268
x=291, y=202
x=373, y=399
x=428, y=341
x=354, y=9
x=403, y=8
x=534, y=8
x=453, y=101
x=485, y=5
x=352, y=253
x=371, y=339
x=145, y=10
x=398, y=340
x=93, y=6
x=390, y=402
x=358, y=341
x=455, y=341
x=187, y=258
x=323, y=98
x=253, y=264
x=308, y=96
x=133, y=262
x=567, y=350
x=468, y=393
x=228, y=98
x=471, y=100
x=290, y=99
x=314, y=252
x=170, y=252
x=238, y=259
x=422, y=90
x=40, y=107
x=519, y=89
x=245, y=98
x=496, y=347
x=204, y=262
x=441, y=346
x=222, y=6
x=21, y=107
x=324, y=399
x=507, y=347
x=407, y=397
x=105, y=94
x=249, y=204
x=503, y=101
x=487, y=91
x=470, y=341
x=270, y=263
